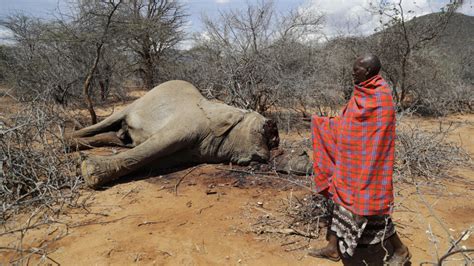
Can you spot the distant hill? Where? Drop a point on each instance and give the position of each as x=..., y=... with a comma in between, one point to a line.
x=456, y=39
x=458, y=35
x=455, y=43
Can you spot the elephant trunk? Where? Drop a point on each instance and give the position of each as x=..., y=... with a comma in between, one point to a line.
x=295, y=162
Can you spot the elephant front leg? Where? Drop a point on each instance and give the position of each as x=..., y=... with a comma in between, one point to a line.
x=99, y=170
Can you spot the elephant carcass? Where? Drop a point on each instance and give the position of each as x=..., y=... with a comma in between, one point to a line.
x=174, y=124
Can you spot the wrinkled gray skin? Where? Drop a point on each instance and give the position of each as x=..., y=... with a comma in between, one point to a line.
x=170, y=125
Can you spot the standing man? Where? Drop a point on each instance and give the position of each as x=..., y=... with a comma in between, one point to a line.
x=353, y=166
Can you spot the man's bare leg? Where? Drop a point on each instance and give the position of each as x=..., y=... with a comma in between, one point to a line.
x=401, y=254
x=328, y=252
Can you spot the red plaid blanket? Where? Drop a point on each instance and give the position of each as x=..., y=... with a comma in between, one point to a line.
x=354, y=153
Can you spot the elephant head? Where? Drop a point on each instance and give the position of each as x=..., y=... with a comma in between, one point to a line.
x=238, y=135
x=251, y=139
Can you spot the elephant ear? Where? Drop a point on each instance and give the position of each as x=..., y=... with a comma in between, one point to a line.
x=221, y=116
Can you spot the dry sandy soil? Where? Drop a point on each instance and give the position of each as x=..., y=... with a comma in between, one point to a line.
x=212, y=217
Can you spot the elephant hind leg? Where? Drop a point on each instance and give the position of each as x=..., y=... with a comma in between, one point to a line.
x=112, y=123
x=119, y=139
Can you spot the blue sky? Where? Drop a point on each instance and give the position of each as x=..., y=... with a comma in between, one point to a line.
x=342, y=16
x=45, y=8
x=211, y=7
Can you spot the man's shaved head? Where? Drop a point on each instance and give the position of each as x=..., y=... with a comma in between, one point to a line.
x=372, y=62
x=365, y=67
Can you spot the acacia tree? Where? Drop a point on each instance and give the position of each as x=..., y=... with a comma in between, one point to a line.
x=246, y=51
x=25, y=57
x=149, y=29
x=105, y=10
x=64, y=59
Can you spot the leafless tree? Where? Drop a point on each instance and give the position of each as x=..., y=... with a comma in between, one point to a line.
x=99, y=9
x=66, y=57
x=247, y=52
x=151, y=28
x=400, y=39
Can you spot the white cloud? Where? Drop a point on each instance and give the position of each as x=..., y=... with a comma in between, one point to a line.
x=355, y=17
x=6, y=36
x=467, y=8
x=222, y=1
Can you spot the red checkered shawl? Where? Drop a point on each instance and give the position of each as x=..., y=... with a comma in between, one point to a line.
x=354, y=153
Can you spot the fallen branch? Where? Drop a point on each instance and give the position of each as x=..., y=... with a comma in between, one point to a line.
x=148, y=223
x=465, y=233
x=208, y=207
x=297, y=248
x=287, y=231
x=31, y=251
x=182, y=178
x=272, y=174
x=101, y=223
x=26, y=228
x=462, y=251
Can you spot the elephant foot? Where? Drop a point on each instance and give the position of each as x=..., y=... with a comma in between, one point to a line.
x=97, y=173
x=87, y=170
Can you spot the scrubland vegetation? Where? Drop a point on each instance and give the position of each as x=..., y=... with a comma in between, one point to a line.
x=280, y=65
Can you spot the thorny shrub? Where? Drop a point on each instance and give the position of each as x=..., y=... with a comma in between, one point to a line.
x=36, y=170
x=426, y=154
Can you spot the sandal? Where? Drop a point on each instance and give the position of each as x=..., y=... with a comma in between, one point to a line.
x=320, y=253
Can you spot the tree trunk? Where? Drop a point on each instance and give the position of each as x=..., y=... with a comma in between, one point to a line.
x=87, y=84
x=149, y=78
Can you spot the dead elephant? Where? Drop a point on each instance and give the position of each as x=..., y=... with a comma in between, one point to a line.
x=174, y=124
